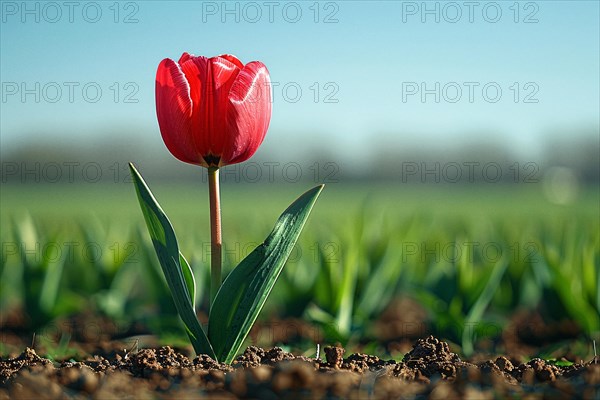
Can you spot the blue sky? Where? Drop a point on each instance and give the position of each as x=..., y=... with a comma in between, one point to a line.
x=346, y=73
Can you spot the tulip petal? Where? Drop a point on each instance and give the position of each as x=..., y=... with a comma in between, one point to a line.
x=184, y=57
x=233, y=59
x=210, y=81
x=173, y=110
x=249, y=113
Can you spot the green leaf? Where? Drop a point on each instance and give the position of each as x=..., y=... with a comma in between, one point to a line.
x=177, y=271
x=244, y=292
x=380, y=285
x=560, y=363
x=485, y=297
x=51, y=285
x=188, y=275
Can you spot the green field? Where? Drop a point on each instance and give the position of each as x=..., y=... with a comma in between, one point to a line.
x=471, y=255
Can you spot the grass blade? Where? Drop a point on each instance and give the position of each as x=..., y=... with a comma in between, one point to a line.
x=484, y=299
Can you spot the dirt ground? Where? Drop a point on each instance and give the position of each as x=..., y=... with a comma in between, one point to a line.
x=429, y=370
x=104, y=364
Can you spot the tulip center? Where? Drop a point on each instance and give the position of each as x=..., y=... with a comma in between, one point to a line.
x=212, y=161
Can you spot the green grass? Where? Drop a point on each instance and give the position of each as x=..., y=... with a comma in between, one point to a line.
x=263, y=203
x=363, y=246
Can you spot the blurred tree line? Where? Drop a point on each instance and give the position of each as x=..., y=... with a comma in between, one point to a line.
x=480, y=160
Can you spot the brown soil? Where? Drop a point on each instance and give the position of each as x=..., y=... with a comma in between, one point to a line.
x=429, y=369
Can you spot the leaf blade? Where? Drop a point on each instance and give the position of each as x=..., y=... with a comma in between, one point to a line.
x=245, y=290
x=175, y=268
x=188, y=276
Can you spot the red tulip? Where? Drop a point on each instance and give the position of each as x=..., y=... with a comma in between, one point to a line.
x=212, y=111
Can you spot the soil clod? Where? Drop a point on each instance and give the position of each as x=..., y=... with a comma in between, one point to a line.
x=334, y=356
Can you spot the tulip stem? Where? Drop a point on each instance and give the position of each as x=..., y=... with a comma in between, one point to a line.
x=215, y=232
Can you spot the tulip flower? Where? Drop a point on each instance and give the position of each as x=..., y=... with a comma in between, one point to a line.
x=213, y=112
